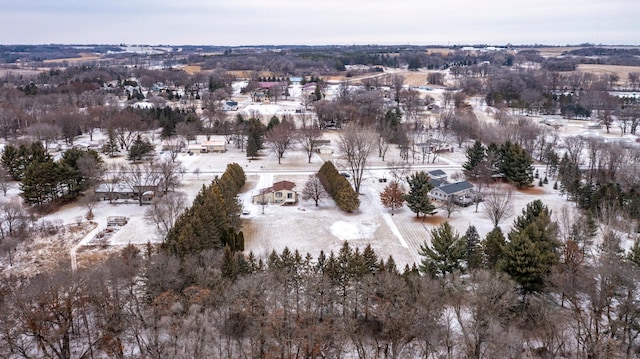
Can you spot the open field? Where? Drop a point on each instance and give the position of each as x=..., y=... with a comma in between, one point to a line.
x=621, y=71
x=83, y=57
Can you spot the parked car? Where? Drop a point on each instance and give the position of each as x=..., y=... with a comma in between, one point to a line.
x=245, y=211
x=345, y=174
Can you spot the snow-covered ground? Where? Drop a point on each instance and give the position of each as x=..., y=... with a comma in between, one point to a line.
x=304, y=227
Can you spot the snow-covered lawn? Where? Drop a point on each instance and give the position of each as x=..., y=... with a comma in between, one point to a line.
x=304, y=227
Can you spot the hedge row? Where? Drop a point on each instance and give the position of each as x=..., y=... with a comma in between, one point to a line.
x=338, y=187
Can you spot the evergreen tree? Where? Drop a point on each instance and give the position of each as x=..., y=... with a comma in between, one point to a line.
x=516, y=164
x=255, y=137
x=634, y=253
x=532, y=250
x=446, y=253
x=570, y=176
x=111, y=147
x=472, y=248
x=493, y=248
x=418, y=196
x=40, y=182
x=347, y=199
x=139, y=148
x=523, y=262
x=273, y=122
x=475, y=155
x=317, y=92
x=13, y=162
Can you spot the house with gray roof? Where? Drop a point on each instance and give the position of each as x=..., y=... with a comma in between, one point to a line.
x=460, y=192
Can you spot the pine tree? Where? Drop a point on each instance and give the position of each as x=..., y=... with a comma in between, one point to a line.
x=347, y=199
x=475, y=155
x=516, y=164
x=523, y=262
x=111, y=147
x=255, y=137
x=139, y=149
x=40, y=182
x=228, y=267
x=634, y=253
x=472, y=248
x=493, y=248
x=533, y=236
x=446, y=253
x=418, y=197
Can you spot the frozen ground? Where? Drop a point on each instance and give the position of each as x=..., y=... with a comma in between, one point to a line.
x=304, y=227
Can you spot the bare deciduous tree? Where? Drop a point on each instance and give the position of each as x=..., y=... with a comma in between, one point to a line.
x=164, y=211
x=498, y=205
x=399, y=170
x=140, y=178
x=449, y=205
x=44, y=132
x=357, y=143
x=309, y=136
x=280, y=138
x=314, y=190
x=174, y=145
x=169, y=173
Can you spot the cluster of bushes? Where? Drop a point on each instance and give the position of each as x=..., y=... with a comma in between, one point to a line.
x=213, y=221
x=338, y=187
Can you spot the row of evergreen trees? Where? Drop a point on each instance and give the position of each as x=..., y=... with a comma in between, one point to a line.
x=508, y=160
x=598, y=191
x=213, y=221
x=43, y=180
x=528, y=257
x=338, y=187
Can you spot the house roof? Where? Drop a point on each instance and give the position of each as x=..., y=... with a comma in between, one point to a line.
x=437, y=173
x=213, y=143
x=278, y=186
x=436, y=183
x=453, y=188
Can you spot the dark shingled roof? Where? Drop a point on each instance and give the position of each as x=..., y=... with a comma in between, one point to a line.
x=456, y=187
x=279, y=186
x=437, y=173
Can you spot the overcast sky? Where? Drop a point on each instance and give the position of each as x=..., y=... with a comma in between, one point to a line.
x=319, y=22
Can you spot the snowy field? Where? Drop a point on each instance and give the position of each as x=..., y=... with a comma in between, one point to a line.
x=304, y=227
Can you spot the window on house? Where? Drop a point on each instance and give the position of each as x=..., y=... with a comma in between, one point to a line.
x=289, y=195
x=278, y=194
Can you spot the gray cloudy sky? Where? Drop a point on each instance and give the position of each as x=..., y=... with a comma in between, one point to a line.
x=313, y=22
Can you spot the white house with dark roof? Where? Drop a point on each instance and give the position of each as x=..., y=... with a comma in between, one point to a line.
x=230, y=106
x=460, y=192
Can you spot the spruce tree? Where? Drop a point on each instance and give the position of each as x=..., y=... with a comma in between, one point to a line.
x=139, y=149
x=475, y=155
x=472, y=248
x=524, y=264
x=255, y=137
x=532, y=250
x=516, y=164
x=493, y=248
x=445, y=254
x=634, y=253
x=418, y=196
